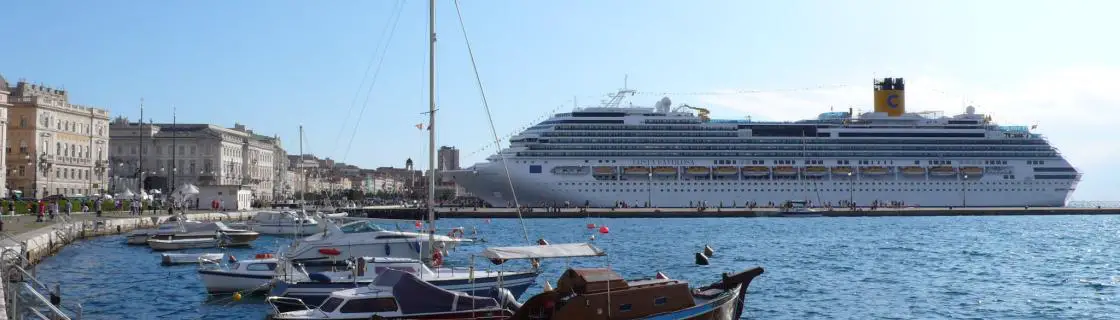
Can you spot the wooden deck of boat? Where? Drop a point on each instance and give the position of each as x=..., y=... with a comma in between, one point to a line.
x=444, y=212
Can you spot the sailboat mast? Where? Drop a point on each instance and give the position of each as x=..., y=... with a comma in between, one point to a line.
x=302, y=173
x=431, y=123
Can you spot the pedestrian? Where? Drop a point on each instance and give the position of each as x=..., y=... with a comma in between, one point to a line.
x=97, y=206
x=12, y=208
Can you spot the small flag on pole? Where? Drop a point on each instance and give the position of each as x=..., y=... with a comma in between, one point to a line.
x=419, y=126
x=429, y=127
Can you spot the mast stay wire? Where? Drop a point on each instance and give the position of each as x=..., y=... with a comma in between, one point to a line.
x=361, y=84
x=373, y=81
x=490, y=119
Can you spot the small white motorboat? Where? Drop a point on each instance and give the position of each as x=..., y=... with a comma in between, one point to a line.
x=284, y=223
x=185, y=258
x=238, y=276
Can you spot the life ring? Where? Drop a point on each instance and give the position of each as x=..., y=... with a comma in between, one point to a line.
x=456, y=233
x=437, y=259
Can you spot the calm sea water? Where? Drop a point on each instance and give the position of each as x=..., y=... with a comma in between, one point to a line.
x=1053, y=267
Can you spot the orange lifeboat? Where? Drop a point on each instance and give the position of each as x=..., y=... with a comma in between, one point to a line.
x=841, y=171
x=636, y=170
x=815, y=171
x=913, y=171
x=665, y=171
x=874, y=171
x=756, y=171
x=604, y=170
x=785, y=171
x=698, y=170
x=943, y=171
x=724, y=171
x=972, y=171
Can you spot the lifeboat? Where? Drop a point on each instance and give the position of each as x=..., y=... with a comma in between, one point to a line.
x=815, y=171
x=636, y=170
x=570, y=170
x=943, y=171
x=698, y=170
x=665, y=171
x=727, y=171
x=604, y=170
x=913, y=171
x=972, y=171
x=756, y=171
x=785, y=171
x=874, y=171
x=841, y=171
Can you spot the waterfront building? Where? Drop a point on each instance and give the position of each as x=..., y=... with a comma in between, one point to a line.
x=54, y=147
x=174, y=154
x=4, y=105
x=670, y=157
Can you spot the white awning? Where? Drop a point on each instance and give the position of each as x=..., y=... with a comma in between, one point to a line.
x=564, y=250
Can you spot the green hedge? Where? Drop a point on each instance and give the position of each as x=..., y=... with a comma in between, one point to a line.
x=76, y=205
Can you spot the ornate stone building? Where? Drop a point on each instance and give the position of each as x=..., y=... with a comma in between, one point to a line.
x=4, y=136
x=199, y=154
x=54, y=147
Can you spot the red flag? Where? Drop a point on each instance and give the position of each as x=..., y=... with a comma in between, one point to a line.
x=419, y=126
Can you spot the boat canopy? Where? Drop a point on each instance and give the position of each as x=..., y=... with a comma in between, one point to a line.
x=564, y=250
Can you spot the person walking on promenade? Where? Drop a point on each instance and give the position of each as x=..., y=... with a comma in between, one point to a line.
x=97, y=206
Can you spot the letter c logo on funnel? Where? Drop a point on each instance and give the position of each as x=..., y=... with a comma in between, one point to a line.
x=891, y=101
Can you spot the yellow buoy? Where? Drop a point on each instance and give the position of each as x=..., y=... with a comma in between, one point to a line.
x=236, y=296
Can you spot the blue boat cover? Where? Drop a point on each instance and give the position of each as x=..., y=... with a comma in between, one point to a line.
x=415, y=296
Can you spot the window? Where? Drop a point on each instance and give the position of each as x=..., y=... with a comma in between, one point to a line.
x=624, y=307
x=192, y=150
x=22, y=146
x=261, y=267
x=181, y=148
x=331, y=304
x=23, y=121
x=660, y=301
x=369, y=305
x=535, y=169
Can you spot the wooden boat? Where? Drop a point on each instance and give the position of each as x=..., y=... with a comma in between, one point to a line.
x=603, y=294
x=841, y=171
x=698, y=170
x=943, y=171
x=604, y=170
x=815, y=171
x=636, y=170
x=972, y=171
x=785, y=171
x=726, y=170
x=874, y=171
x=912, y=170
x=665, y=171
x=756, y=171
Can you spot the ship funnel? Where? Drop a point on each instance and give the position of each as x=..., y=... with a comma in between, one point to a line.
x=890, y=97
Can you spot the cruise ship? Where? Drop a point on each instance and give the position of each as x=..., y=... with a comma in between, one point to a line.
x=665, y=156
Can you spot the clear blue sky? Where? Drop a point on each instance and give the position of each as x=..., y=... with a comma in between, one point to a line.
x=273, y=65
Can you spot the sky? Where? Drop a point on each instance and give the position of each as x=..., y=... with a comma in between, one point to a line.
x=354, y=73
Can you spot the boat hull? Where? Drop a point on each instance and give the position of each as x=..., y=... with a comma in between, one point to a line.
x=218, y=281
x=496, y=314
x=188, y=258
x=137, y=239
x=314, y=293
x=309, y=251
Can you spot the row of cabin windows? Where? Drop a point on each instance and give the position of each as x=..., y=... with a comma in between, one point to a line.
x=808, y=190
x=845, y=184
x=667, y=146
x=593, y=154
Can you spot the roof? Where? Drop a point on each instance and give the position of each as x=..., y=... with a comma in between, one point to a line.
x=564, y=250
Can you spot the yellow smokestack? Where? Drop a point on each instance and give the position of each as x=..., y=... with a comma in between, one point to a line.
x=890, y=96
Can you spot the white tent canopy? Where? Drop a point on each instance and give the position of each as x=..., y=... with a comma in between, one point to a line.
x=564, y=250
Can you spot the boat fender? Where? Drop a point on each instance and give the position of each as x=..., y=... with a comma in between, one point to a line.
x=232, y=259
x=387, y=250
x=437, y=259
x=701, y=259
x=708, y=251
x=319, y=277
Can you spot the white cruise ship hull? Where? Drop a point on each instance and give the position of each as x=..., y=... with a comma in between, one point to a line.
x=488, y=181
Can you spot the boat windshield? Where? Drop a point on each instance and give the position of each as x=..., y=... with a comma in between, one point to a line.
x=329, y=305
x=360, y=227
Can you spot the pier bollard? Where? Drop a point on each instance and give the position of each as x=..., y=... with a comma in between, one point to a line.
x=118, y=228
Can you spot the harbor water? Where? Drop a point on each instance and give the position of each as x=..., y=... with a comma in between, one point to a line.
x=1023, y=267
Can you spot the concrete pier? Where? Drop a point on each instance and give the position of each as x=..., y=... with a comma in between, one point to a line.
x=421, y=214
x=40, y=243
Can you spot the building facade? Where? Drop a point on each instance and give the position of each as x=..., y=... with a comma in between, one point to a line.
x=4, y=136
x=165, y=156
x=448, y=158
x=55, y=147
